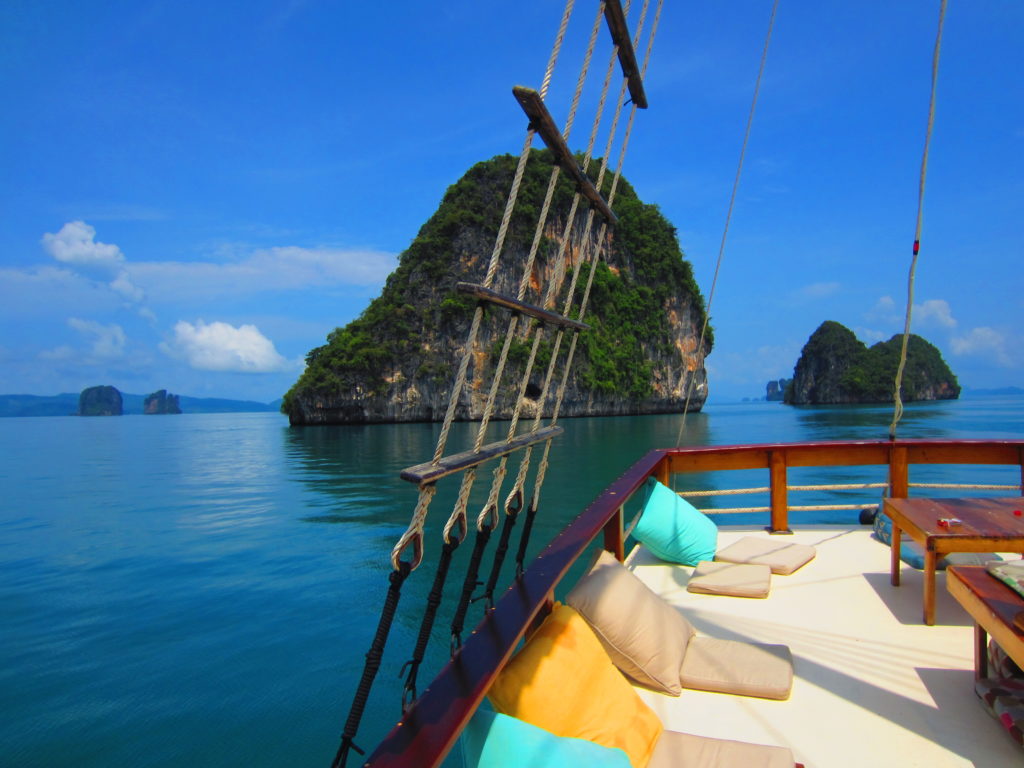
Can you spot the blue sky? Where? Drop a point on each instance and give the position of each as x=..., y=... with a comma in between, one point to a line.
x=195, y=194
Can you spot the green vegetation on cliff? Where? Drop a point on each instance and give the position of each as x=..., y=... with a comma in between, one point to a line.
x=836, y=367
x=419, y=304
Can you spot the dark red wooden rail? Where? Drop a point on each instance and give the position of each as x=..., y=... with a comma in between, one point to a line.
x=434, y=722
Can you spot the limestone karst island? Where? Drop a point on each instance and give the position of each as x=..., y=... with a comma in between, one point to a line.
x=836, y=367
x=395, y=362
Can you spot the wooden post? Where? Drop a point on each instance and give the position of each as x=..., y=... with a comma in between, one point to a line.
x=779, y=500
x=1020, y=456
x=899, y=481
x=614, y=541
x=663, y=471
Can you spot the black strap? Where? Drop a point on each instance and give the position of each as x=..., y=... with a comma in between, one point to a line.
x=524, y=539
x=483, y=535
x=373, y=657
x=433, y=602
x=499, y=554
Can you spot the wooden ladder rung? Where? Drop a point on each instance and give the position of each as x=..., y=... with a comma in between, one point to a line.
x=542, y=123
x=551, y=318
x=430, y=472
x=627, y=56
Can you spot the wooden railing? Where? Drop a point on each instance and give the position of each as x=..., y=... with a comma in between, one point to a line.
x=433, y=724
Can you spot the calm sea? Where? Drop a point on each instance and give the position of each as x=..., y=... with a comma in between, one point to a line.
x=201, y=589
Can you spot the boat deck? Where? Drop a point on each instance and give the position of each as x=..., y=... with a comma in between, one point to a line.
x=873, y=686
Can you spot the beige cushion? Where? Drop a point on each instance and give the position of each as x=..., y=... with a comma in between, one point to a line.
x=776, y=553
x=644, y=636
x=684, y=750
x=729, y=666
x=735, y=579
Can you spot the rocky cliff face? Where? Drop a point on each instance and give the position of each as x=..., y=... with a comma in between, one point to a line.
x=776, y=390
x=160, y=402
x=100, y=401
x=835, y=367
x=397, y=361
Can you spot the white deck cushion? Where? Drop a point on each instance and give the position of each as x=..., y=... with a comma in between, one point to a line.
x=730, y=666
x=684, y=750
x=645, y=637
x=781, y=556
x=734, y=579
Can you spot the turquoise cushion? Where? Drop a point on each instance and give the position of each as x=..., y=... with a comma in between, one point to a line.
x=492, y=740
x=673, y=529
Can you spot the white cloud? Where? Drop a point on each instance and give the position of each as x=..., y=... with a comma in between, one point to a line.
x=123, y=286
x=934, y=312
x=219, y=346
x=983, y=342
x=63, y=352
x=271, y=269
x=107, y=340
x=75, y=245
x=884, y=310
x=820, y=290
x=869, y=335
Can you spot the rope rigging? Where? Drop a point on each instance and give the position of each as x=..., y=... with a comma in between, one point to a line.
x=898, y=385
x=407, y=553
x=728, y=219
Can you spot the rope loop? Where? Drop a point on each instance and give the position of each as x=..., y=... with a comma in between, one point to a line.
x=488, y=519
x=514, y=502
x=410, y=537
x=459, y=521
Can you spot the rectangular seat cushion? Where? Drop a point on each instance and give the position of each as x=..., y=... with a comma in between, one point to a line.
x=733, y=579
x=730, y=666
x=562, y=680
x=782, y=557
x=684, y=750
x=644, y=636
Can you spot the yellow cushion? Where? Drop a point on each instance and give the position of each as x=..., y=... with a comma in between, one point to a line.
x=562, y=680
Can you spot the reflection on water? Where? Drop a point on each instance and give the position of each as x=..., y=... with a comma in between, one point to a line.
x=168, y=575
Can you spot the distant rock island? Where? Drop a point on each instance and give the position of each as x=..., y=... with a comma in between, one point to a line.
x=161, y=402
x=776, y=390
x=100, y=401
x=67, y=404
x=395, y=363
x=836, y=367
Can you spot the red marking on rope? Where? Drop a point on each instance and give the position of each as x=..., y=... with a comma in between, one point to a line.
x=1017, y=512
x=917, y=246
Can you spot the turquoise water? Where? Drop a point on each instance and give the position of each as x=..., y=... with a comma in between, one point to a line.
x=201, y=589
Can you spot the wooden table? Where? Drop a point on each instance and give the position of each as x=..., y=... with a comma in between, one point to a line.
x=993, y=606
x=987, y=525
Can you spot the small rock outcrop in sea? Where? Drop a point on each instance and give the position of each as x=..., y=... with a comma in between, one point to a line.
x=397, y=361
x=100, y=401
x=161, y=402
x=776, y=390
x=836, y=367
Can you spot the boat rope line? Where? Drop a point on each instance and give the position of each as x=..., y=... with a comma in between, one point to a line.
x=518, y=489
x=725, y=230
x=413, y=536
x=513, y=502
x=407, y=554
x=489, y=517
x=396, y=578
x=542, y=468
x=898, y=385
